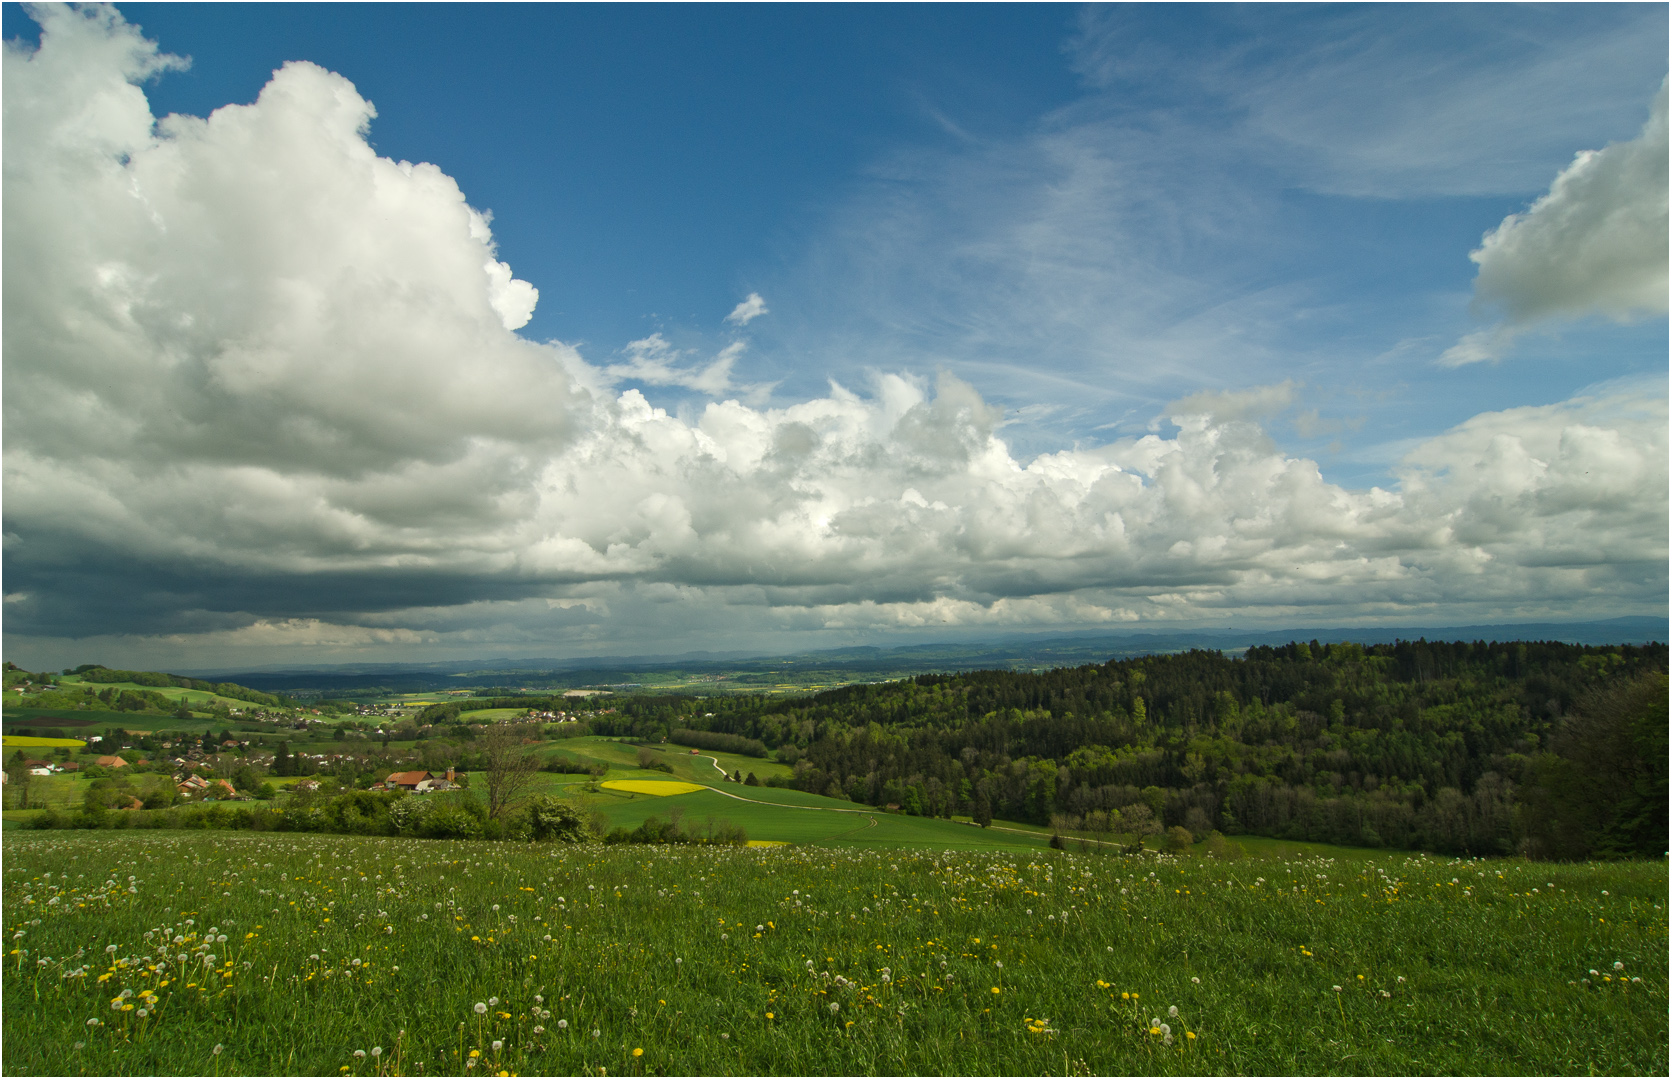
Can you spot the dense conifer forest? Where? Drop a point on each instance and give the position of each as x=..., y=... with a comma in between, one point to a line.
x=1543, y=748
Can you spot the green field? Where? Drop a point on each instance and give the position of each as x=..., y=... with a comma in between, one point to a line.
x=143, y=953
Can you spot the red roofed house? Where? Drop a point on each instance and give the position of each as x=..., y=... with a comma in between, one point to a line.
x=109, y=761
x=407, y=781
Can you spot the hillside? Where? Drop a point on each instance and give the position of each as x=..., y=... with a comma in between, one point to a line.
x=1479, y=748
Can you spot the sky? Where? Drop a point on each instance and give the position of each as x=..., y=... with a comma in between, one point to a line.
x=347, y=333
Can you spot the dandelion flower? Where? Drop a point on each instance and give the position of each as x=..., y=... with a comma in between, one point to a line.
x=359, y=1053
x=563, y=1025
x=493, y=1001
x=596, y=1033
x=638, y=1051
x=1337, y=989
x=1173, y=1011
x=218, y=1048
x=377, y=1051
x=498, y=1045
x=1619, y=966
x=481, y=1008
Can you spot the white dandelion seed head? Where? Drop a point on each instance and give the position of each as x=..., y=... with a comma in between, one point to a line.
x=1173, y=1011
x=1195, y=980
x=498, y=1045
x=377, y=1051
x=218, y=1048
x=563, y=1025
x=493, y=1001
x=480, y=1007
x=359, y=1053
x=1618, y=966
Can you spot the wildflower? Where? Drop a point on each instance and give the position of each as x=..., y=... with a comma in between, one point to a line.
x=1190, y=1034
x=481, y=1008
x=836, y=1007
x=596, y=1033
x=359, y=1054
x=476, y=1053
x=1173, y=1011
x=377, y=1051
x=498, y=1045
x=563, y=1025
x=539, y=1029
x=638, y=1051
x=493, y=1001
x=769, y=1016
x=1337, y=989
x=1619, y=966
x=1195, y=980
x=218, y=1048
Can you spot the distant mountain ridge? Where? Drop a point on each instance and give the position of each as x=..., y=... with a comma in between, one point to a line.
x=1023, y=652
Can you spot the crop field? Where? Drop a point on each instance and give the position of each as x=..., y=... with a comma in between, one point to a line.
x=20, y=741
x=228, y=953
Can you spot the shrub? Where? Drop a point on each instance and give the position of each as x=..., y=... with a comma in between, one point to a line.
x=1179, y=840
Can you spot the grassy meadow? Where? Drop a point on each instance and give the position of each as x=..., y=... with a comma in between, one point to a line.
x=138, y=953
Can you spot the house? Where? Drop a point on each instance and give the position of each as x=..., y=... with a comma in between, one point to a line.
x=406, y=781
x=192, y=785
x=70, y=766
x=111, y=761
x=437, y=783
x=40, y=772
x=221, y=789
x=305, y=785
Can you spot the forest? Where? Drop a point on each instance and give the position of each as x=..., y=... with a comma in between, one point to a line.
x=1543, y=748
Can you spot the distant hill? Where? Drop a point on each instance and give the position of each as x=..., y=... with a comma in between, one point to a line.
x=744, y=671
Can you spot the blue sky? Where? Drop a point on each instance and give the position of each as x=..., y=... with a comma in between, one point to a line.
x=1051, y=230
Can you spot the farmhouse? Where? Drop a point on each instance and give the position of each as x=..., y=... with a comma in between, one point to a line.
x=111, y=761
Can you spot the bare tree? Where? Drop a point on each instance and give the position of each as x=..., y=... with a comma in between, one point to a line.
x=511, y=767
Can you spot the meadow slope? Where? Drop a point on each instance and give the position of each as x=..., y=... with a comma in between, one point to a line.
x=141, y=953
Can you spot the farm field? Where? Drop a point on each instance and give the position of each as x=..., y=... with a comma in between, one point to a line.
x=144, y=953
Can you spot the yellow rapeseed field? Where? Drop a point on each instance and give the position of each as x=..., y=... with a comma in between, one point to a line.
x=653, y=787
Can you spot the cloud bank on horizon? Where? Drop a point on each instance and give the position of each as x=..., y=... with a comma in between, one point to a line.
x=266, y=399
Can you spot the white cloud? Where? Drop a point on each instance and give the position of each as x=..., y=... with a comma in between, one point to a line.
x=749, y=309
x=1596, y=243
x=1253, y=403
x=654, y=362
x=250, y=348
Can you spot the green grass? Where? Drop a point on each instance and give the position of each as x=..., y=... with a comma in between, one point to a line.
x=485, y=716
x=657, y=949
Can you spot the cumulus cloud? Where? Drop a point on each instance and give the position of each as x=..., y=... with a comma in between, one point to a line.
x=749, y=309
x=1596, y=243
x=263, y=391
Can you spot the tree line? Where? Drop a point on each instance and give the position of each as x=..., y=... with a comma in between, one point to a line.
x=1545, y=748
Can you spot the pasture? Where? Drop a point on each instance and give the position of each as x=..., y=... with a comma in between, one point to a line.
x=138, y=953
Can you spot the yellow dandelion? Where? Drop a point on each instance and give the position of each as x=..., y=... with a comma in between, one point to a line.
x=638, y=1051
x=996, y=990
